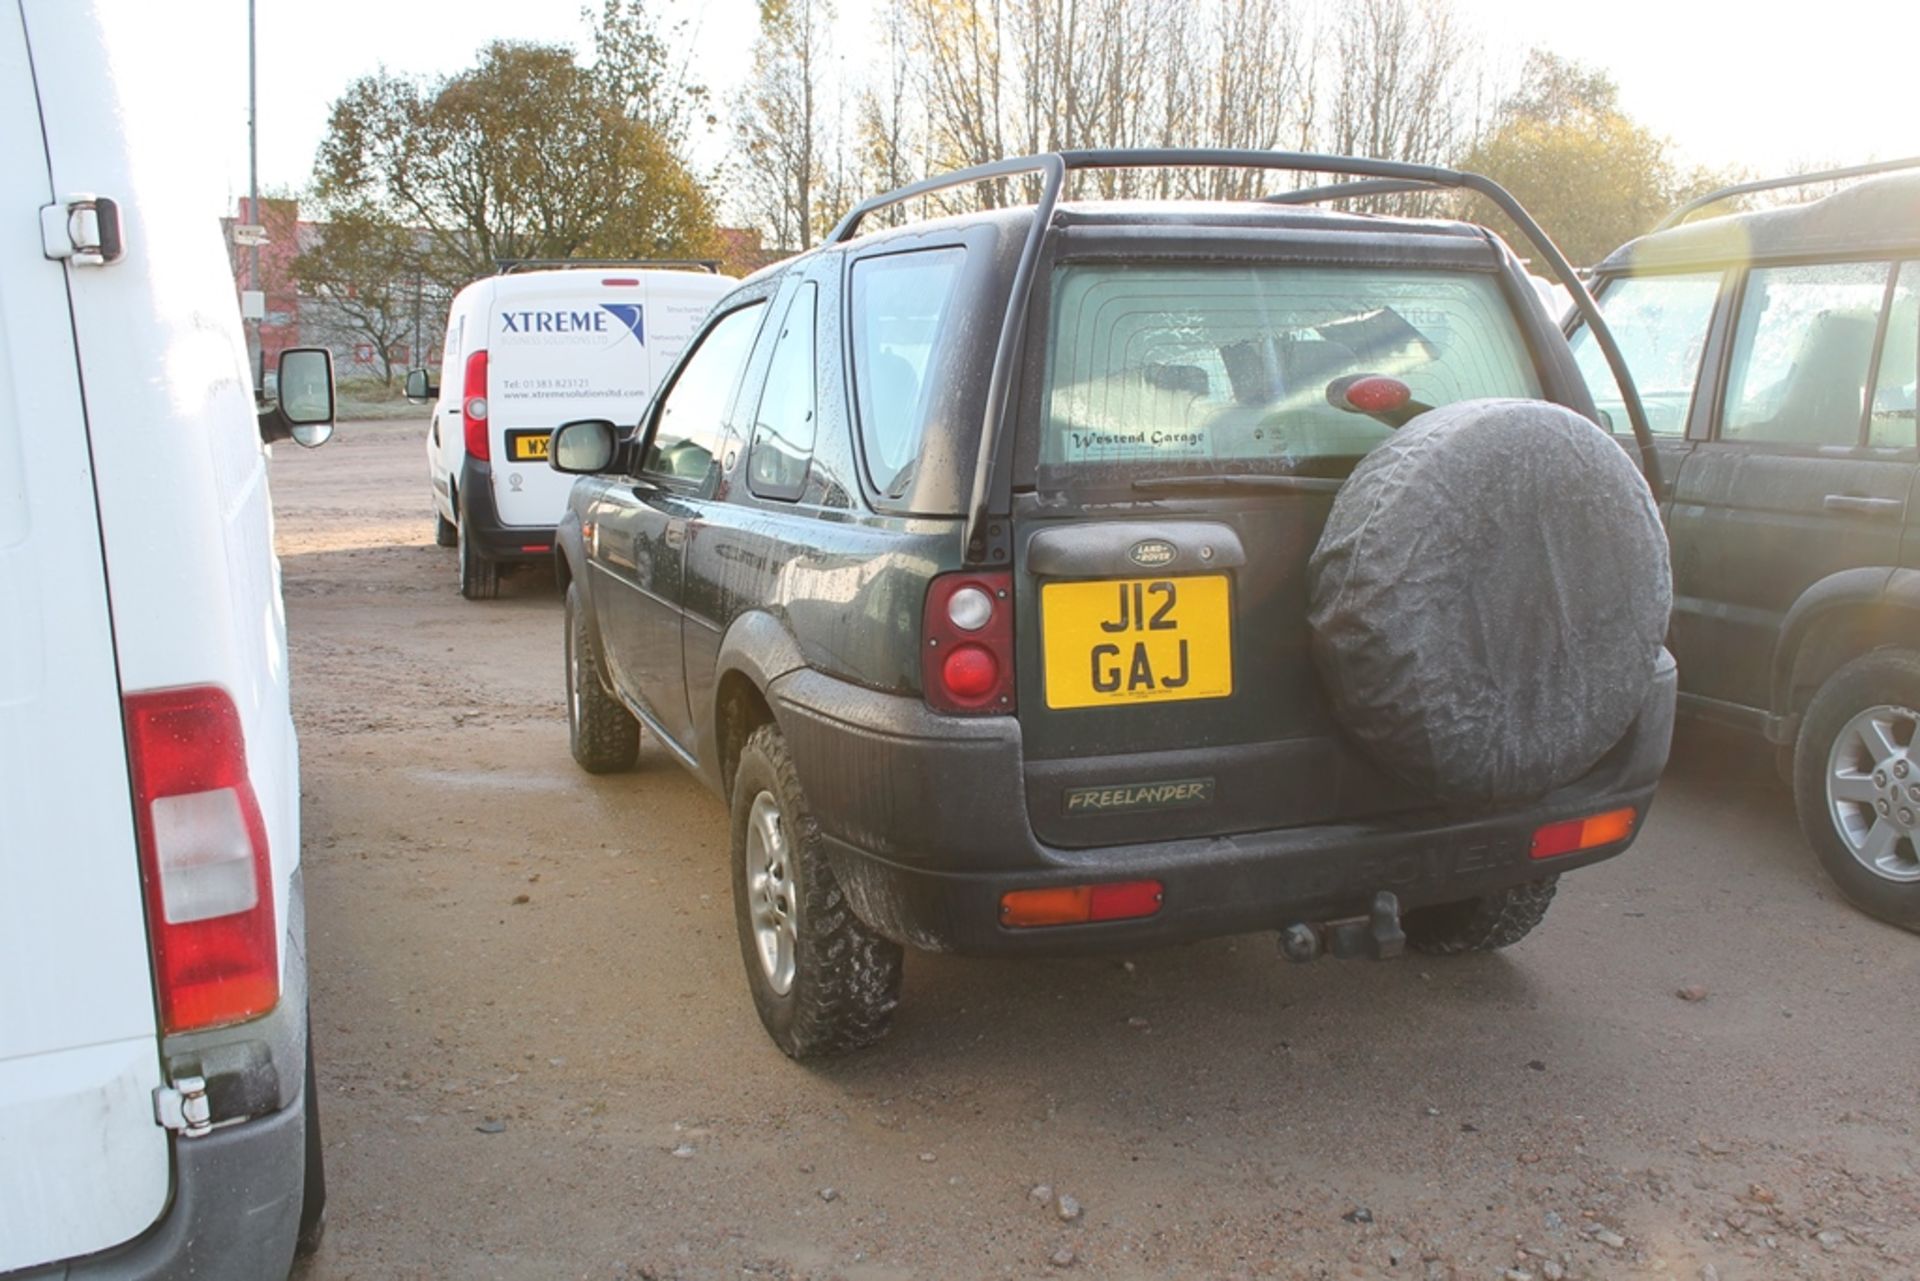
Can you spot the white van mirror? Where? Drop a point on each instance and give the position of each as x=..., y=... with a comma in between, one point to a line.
x=583, y=448
x=420, y=386
x=304, y=408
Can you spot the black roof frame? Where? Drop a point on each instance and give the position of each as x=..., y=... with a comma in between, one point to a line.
x=1695, y=205
x=1052, y=169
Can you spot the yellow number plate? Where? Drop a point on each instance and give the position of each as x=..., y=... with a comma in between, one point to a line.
x=530, y=447
x=1136, y=640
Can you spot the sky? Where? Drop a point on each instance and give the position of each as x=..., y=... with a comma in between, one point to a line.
x=1731, y=85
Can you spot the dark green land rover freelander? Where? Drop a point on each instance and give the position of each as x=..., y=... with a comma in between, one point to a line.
x=1083, y=575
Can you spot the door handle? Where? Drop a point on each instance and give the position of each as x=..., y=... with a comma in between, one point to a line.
x=1863, y=505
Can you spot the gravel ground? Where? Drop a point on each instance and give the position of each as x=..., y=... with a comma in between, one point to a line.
x=538, y=1057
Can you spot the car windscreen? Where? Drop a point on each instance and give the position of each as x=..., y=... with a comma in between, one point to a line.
x=1176, y=369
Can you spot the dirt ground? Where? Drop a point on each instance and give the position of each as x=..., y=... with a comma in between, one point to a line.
x=538, y=1058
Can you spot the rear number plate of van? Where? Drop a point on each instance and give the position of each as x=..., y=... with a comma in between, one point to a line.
x=528, y=446
x=1136, y=640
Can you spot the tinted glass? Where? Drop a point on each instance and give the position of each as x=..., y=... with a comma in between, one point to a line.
x=899, y=306
x=692, y=417
x=1660, y=323
x=1892, y=422
x=783, y=426
x=1800, y=353
x=1164, y=369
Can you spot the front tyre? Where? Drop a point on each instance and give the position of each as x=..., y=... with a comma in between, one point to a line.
x=444, y=532
x=1856, y=783
x=603, y=734
x=1483, y=924
x=479, y=575
x=822, y=981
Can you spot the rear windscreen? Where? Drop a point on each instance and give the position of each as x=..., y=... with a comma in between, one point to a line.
x=1203, y=369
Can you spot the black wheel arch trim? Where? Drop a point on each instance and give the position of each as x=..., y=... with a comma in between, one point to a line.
x=758, y=647
x=1888, y=596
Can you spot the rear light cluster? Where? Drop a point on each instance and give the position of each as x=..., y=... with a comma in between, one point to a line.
x=1576, y=834
x=966, y=643
x=203, y=856
x=473, y=407
x=1081, y=904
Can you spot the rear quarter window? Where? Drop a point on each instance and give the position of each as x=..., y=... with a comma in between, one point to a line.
x=1217, y=368
x=900, y=304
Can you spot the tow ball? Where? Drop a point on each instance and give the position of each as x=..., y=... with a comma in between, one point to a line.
x=1377, y=935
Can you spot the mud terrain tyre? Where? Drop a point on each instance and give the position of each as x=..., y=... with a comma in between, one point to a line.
x=1483, y=924
x=1488, y=601
x=1859, y=751
x=822, y=981
x=603, y=735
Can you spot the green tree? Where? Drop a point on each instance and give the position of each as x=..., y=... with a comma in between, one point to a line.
x=525, y=155
x=1590, y=174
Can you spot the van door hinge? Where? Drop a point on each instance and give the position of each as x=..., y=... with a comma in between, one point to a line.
x=84, y=229
x=183, y=1106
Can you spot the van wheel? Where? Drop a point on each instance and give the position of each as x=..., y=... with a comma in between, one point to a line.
x=313, y=1199
x=603, y=734
x=1856, y=783
x=479, y=576
x=1483, y=924
x=444, y=533
x=822, y=981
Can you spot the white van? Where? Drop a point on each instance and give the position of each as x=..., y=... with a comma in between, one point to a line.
x=157, y=1112
x=525, y=352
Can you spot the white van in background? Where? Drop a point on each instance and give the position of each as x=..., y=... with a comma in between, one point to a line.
x=525, y=352
x=157, y=1109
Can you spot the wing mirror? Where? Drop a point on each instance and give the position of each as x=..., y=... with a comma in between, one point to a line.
x=583, y=448
x=420, y=386
x=304, y=409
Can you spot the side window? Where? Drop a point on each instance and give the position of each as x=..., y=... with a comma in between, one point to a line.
x=899, y=302
x=1661, y=324
x=783, y=426
x=692, y=417
x=1892, y=422
x=1800, y=353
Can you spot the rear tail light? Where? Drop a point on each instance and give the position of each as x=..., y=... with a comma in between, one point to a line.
x=203, y=856
x=966, y=643
x=1081, y=904
x=473, y=407
x=1576, y=834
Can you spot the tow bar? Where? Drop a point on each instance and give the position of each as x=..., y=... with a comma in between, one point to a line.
x=1377, y=935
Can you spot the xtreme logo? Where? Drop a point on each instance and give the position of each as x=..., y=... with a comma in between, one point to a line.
x=629, y=315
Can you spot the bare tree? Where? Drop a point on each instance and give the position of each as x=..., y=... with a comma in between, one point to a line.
x=790, y=144
x=1398, y=85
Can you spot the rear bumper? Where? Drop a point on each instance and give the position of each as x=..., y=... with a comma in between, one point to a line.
x=235, y=1214
x=496, y=540
x=924, y=820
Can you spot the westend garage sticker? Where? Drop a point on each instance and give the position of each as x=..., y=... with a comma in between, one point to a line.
x=1139, y=796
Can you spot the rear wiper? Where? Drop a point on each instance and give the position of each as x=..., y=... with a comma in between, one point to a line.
x=1228, y=482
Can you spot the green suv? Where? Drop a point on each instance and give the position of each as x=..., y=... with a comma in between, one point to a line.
x=971, y=562
x=1776, y=353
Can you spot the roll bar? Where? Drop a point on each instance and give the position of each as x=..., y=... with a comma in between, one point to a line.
x=1695, y=205
x=1053, y=167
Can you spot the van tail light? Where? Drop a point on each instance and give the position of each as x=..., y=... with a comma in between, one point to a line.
x=473, y=407
x=966, y=644
x=1576, y=834
x=203, y=856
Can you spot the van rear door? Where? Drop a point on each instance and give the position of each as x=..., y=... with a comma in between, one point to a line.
x=577, y=344
x=1183, y=450
x=83, y=1166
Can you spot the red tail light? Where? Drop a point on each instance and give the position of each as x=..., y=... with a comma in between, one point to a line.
x=203, y=856
x=966, y=643
x=473, y=407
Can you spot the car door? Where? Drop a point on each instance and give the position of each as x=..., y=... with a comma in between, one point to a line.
x=638, y=548
x=1806, y=473
x=1664, y=325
